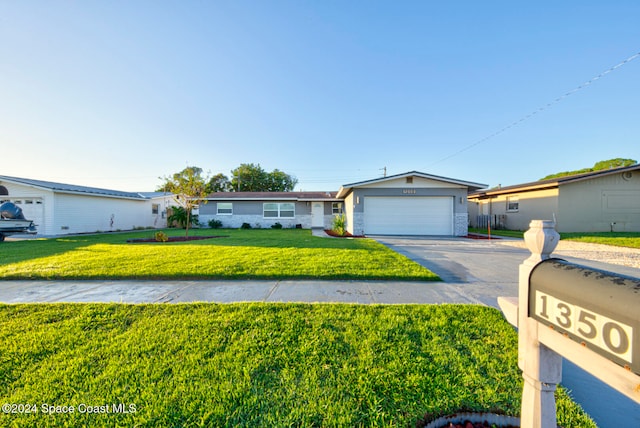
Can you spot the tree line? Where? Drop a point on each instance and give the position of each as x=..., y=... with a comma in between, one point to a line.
x=598, y=166
x=248, y=177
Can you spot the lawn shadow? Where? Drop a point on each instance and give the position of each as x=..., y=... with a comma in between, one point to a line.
x=20, y=251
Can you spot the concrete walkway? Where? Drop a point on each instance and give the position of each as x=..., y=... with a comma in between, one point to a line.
x=232, y=291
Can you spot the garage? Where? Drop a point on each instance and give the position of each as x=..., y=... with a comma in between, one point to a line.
x=426, y=215
x=411, y=203
x=32, y=209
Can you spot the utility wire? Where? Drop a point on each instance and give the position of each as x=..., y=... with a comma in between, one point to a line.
x=541, y=109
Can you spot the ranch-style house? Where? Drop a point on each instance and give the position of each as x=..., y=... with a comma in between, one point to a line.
x=413, y=203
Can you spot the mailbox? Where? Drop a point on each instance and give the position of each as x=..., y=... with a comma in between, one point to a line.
x=598, y=309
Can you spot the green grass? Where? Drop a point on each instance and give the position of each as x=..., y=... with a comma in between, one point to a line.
x=241, y=254
x=260, y=364
x=618, y=239
x=498, y=232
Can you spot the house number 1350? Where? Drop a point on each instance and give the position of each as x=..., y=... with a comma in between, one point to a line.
x=607, y=334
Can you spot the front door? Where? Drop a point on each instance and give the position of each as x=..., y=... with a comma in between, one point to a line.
x=317, y=214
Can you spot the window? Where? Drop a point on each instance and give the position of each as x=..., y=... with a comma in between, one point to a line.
x=336, y=207
x=409, y=180
x=270, y=210
x=288, y=210
x=512, y=204
x=279, y=210
x=225, y=208
x=155, y=209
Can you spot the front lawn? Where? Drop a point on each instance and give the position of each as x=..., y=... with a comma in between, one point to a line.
x=257, y=365
x=240, y=254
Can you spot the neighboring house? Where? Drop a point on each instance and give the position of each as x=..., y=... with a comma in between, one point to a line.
x=59, y=209
x=601, y=201
x=412, y=203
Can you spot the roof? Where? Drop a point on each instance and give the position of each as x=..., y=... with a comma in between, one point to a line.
x=72, y=188
x=552, y=183
x=280, y=196
x=153, y=195
x=347, y=187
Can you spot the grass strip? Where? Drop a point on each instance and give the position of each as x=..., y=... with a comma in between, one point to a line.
x=616, y=239
x=247, y=365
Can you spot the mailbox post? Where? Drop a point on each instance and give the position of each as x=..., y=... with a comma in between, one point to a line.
x=588, y=316
x=541, y=367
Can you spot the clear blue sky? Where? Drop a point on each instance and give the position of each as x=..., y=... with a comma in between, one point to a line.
x=118, y=93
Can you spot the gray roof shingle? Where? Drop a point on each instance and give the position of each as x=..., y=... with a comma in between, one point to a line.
x=72, y=188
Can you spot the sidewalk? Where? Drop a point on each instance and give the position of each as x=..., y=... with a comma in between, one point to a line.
x=127, y=291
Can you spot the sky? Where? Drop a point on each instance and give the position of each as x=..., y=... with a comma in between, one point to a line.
x=117, y=94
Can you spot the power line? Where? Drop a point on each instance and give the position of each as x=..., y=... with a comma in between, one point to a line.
x=541, y=109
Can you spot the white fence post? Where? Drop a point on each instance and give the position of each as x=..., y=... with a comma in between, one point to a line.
x=541, y=367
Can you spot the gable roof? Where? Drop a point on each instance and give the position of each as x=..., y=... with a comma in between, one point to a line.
x=345, y=189
x=280, y=196
x=72, y=188
x=552, y=183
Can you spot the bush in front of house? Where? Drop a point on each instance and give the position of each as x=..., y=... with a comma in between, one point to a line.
x=161, y=237
x=245, y=226
x=276, y=225
x=339, y=225
x=215, y=224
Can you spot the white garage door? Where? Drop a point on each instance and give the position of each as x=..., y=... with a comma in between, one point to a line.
x=431, y=215
x=32, y=209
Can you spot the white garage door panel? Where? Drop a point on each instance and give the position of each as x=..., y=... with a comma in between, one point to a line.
x=408, y=216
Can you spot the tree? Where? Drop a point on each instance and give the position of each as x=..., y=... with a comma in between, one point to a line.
x=219, y=183
x=279, y=181
x=252, y=178
x=248, y=177
x=598, y=166
x=189, y=188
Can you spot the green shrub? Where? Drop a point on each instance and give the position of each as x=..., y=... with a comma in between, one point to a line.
x=277, y=225
x=179, y=216
x=215, y=224
x=245, y=226
x=161, y=237
x=339, y=225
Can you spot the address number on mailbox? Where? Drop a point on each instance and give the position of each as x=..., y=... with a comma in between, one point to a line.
x=598, y=309
x=609, y=335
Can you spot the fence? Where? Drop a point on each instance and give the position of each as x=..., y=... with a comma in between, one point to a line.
x=498, y=221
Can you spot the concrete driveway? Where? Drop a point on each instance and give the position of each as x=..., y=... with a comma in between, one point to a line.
x=482, y=270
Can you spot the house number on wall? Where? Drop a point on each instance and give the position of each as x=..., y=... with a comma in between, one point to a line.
x=409, y=191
